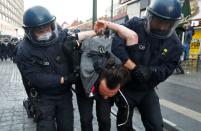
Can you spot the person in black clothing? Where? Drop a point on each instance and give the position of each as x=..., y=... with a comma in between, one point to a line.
x=3, y=51
x=45, y=67
x=150, y=62
x=10, y=50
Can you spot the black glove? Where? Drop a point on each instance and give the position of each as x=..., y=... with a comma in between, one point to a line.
x=141, y=73
x=72, y=52
x=71, y=79
x=69, y=45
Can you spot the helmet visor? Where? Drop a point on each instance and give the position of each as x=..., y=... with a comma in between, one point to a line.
x=44, y=42
x=160, y=28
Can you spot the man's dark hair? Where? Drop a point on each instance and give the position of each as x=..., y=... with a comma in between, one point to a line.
x=113, y=73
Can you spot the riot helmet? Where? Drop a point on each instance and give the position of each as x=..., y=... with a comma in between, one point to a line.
x=40, y=26
x=162, y=17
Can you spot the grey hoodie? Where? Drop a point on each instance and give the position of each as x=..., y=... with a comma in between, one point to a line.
x=92, y=48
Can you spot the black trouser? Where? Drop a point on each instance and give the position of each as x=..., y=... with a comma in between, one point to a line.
x=5, y=56
x=1, y=57
x=55, y=113
x=149, y=108
x=85, y=106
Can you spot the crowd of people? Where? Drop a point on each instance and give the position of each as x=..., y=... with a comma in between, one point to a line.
x=7, y=50
x=123, y=69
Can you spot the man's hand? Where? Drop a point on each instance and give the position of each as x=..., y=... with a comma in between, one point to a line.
x=70, y=79
x=100, y=26
x=129, y=64
x=105, y=91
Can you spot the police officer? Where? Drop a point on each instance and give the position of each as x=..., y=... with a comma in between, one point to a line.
x=1, y=50
x=3, y=53
x=42, y=62
x=10, y=50
x=151, y=61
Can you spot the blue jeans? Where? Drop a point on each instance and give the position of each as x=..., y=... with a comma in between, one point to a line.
x=186, y=51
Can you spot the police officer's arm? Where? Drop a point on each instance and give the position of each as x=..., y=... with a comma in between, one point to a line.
x=119, y=45
x=159, y=73
x=127, y=34
x=155, y=73
x=130, y=36
x=119, y=49
x=37, y=76
x=84, y=34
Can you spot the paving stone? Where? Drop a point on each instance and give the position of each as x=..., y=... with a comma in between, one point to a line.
x=17, y=127
x=6, y=123
x=5, y=128
x=6, y=118
x=29, y=129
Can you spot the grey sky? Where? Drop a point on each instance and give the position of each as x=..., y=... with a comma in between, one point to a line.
x=69, y=10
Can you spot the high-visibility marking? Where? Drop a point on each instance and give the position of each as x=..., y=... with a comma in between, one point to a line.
x=182, y=110
x=169, y=122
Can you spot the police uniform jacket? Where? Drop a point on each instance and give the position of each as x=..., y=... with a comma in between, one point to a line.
x=44, y=66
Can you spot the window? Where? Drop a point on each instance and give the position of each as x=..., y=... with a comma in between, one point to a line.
x=144, y=4
x=3, y=8
x=3, y=18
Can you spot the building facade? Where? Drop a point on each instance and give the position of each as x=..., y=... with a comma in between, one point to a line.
x=124, y=10
x=135, y=7
x=11, y=17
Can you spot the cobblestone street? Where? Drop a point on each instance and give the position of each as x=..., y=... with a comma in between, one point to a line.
x=12, y=114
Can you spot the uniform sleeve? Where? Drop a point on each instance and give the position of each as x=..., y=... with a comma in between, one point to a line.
x=118, y=48
x=119, y=45
x=36, y=75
